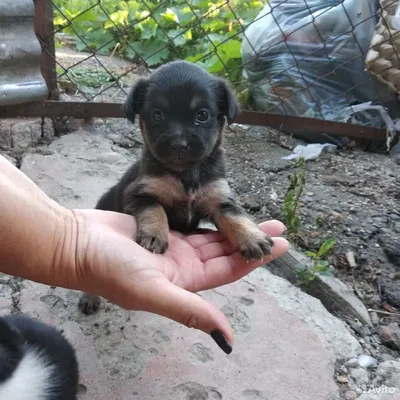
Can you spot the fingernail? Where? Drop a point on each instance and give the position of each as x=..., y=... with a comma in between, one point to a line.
x=221, y=341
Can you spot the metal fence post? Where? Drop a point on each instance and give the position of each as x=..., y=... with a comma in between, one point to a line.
x=44, y=32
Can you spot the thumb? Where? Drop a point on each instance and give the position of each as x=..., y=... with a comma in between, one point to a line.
x=189, y=309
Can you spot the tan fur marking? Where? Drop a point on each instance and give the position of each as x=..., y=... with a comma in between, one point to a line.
x=212, y=194
x=154, y=220
x=143, y=129
x=166, y=189
x=239, y=230
x=195, y=102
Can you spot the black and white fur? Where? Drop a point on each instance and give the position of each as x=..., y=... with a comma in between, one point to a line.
x=36, y=361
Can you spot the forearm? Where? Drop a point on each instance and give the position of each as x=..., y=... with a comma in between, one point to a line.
x=35, y=232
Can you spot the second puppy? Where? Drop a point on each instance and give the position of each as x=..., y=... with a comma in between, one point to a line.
x=180, y=179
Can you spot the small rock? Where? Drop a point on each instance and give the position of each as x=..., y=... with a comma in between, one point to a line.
x=388, y=373
x=391, y=290
x=342, y=379
x=367, y=361
x=389, y=243
x=350, y=395
x=343, y=369
x=351, y=259
x=390, y=335
x=374, y=318
x=356, y=326
x=359, y=375
x=366, y=331
x=352, y=363
x=386, y=357
x=394, y=217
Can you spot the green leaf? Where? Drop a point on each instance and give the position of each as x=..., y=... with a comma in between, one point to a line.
x=326, y=246
x=231, y=48
x=311, y=254
x=289, y=197
x=87, y=16
x=188, y=35
x=170, y=15
x=177, y=37
x=149, y=29
x=156, y=58
x=300, y=267
x=119, y=18
x=148, y=47
x=327, y=272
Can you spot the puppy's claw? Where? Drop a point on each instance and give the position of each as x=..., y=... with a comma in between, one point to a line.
x=152, y=242
x=257, y=248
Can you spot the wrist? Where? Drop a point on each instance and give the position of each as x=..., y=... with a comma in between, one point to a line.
x=62, y=264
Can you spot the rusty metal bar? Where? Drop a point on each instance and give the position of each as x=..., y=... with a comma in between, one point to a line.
x=54, y=109
x=44, y=31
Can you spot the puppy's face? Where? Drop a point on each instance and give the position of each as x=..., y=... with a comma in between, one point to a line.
x=182, y=112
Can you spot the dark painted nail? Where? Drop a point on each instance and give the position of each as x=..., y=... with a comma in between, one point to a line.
x=221, y=341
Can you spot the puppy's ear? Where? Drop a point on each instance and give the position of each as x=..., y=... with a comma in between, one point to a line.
x=227, y=101
x=134, y=102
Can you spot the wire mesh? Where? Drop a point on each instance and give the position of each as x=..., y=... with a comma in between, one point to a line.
x=103, y=46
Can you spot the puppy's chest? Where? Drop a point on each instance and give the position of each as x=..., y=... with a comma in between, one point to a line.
x=187, y=203
x=184, y=207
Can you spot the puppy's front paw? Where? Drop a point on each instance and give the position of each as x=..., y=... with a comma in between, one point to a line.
x=89, y=303
x=152, y=241
x=254, y=244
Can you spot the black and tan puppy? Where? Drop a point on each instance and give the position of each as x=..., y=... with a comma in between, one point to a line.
x=180, y=178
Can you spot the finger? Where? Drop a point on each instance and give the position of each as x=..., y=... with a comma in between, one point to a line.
x=198, y=240
x=273, y=227
x=223, y=270
x=189, y=309
x=212, y=250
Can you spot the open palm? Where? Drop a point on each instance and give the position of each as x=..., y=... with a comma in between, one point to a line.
x=120, y=270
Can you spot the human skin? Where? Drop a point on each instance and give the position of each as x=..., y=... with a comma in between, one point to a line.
x=94, y=251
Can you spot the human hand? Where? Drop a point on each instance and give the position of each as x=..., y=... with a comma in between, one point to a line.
x=109, y=263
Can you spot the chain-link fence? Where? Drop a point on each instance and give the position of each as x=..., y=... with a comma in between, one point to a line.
x=329, y=60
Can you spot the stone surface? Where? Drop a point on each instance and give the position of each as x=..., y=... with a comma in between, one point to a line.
x=21, y=134
x=336, y=295
x=388, y=373
x=351, y=395
x=78, y=168
x=390, y=335
x=376, y=395
x=286, y=345
x=359, y=377
x=12, y=160
x=277, y=354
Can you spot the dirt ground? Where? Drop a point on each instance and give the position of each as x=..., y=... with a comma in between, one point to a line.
x=351, y=195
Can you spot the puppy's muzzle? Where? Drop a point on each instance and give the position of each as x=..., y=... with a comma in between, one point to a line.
x=178, y=147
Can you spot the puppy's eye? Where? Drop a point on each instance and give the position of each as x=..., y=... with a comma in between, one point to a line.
x=202, y=116
x=157, y=116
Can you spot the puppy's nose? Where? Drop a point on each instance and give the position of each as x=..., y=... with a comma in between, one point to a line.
x=179, y=145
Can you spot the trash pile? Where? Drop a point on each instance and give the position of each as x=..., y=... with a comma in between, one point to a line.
x=308, y=59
